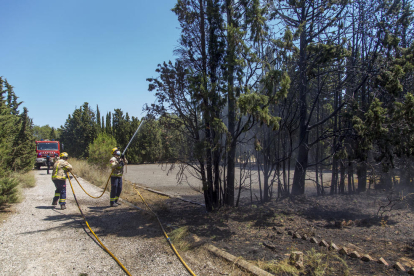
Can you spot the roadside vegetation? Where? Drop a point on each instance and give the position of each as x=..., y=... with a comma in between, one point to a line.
x=94, y=174
x=313, y=262
x=17, y=146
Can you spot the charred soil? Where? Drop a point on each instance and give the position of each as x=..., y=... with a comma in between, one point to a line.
x=263, y=233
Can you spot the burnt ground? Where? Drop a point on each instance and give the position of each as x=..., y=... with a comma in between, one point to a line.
x=259, y=232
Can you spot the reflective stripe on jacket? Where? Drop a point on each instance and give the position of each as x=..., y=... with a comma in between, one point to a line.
x=118, y=170
x=60, y=168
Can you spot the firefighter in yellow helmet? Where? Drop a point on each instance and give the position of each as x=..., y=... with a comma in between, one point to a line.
x=117, y=164
x=60, y=168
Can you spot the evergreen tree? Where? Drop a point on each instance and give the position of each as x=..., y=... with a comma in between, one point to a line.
x=149, y=142
x=100, y=150
x=23, y=147
x=79, y=131
x=120, y=128
x=17, y=145
x=12, y=99
x=52, y=135
x=98, y=119
x=108, y=123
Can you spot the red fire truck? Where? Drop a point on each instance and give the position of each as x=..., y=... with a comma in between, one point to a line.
x=46, y=147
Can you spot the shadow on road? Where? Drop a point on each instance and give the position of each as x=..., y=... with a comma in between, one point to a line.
x=104, y=221
x=45, y=207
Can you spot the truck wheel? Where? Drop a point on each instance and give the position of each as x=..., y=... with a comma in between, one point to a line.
x=37, y=167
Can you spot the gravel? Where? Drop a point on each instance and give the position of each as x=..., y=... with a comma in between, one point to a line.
x=40, y=239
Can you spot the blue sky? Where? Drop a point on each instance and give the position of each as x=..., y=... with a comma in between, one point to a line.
x=60, y=54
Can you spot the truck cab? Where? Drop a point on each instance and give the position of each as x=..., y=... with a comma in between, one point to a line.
x=43, y=148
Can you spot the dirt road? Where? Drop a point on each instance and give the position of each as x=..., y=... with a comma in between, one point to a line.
x=40, y=239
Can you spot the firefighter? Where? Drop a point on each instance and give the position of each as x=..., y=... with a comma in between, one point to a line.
x=48, y=162
x=56, y=158
x=59, y=175
x=117, y=164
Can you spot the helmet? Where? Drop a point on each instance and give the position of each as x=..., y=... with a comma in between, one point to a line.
x=114, y=150
x=64, y=155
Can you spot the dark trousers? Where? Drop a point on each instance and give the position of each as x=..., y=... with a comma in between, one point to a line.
x=48, y=166
x=116, y=188
x=60, y=192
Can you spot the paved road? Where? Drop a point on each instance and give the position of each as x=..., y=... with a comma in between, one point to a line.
x=40, y=239
x=158, y=177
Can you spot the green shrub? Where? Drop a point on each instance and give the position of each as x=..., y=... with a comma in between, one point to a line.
x=100, y=151
x=8, y=190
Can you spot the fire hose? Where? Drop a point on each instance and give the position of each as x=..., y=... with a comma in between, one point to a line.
x=148, y=207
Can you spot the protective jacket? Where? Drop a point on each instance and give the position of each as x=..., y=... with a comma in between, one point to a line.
x=116, y=163
x=60, y=168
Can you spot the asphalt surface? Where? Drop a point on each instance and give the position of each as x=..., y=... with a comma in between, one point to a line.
x=159, y=177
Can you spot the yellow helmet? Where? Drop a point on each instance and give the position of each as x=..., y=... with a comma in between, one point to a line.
x=64, y=155
x=114, y=150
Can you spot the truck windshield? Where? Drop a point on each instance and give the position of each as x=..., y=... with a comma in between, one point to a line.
x=47, y=146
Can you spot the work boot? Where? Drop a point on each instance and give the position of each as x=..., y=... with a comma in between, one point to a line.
x=54, y=202
x=63, y=206
x=113, y=204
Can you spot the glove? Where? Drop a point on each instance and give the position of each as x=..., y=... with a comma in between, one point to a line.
x=121, y=163
x=122, y=156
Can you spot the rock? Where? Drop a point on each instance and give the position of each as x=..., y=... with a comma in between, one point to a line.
x=296, y=257
x=406, y=262
x=367, y=258
x=296, y=236
x=304, y=237
x=313, y=240
x=324, y=244
x=354, y=247
x=269, y=245
x=290, y=232
x=340, y=224
x=399, y=267
x=354, y=254
x=333, y=246
x=343, y=251
x=382, y=261
x=299, y=265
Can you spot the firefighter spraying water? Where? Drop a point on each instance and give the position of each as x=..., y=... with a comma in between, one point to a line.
x=118, y=161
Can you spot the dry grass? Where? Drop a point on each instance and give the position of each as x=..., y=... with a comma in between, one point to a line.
x=93, y=174
x=99, y=177
x=315, y=263
x=324, y=263
x=179, y=238
x=279, y=268
x=26, y=180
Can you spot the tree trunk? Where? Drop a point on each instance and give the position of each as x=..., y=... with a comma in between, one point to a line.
x=298, y=186
x=362, y=176
x=229, y=193
x=342, y=180
x=350, y=176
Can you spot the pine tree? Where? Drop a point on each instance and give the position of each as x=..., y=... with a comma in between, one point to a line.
x=79, y=131
x=23, y=145
x=98, y=119
x=108, y=123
